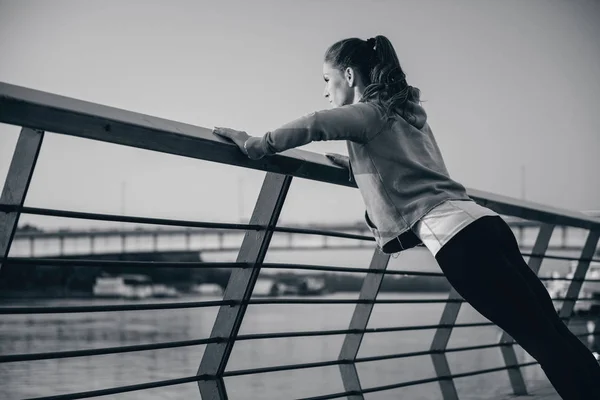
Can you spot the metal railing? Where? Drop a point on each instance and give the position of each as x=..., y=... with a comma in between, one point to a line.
x=38, y=112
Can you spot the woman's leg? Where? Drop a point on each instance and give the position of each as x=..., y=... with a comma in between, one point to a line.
x=512, y=251
x=476, y=263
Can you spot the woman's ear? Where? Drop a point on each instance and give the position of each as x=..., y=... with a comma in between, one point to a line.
x=350, y=76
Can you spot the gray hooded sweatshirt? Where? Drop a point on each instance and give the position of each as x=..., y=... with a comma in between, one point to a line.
x=396, y=163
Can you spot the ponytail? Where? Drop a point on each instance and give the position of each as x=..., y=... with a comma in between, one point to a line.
x=387, y=79
x=377, y=63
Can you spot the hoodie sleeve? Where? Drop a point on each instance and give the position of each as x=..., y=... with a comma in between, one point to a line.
x=355, y=122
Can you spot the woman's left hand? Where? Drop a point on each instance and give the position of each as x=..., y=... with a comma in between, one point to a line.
x=237, y=137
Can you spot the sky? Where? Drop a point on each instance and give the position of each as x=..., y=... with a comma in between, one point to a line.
x=511, y=89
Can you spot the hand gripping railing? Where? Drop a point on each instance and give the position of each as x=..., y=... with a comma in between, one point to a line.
x=38, y=112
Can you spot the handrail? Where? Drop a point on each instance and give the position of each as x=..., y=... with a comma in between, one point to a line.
x=53, y=113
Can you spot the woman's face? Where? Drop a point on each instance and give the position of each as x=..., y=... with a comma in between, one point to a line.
x=338, y=86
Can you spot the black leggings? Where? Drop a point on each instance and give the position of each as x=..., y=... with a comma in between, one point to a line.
x=484, y=264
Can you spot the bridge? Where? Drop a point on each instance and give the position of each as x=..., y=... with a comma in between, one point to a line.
x=63, y=243
x=40, y=113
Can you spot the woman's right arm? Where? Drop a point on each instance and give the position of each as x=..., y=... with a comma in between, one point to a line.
x=355, y=122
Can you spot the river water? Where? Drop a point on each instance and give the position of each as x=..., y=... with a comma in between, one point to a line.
x=59, y=332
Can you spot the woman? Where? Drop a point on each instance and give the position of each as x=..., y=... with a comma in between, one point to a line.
x=410, y=199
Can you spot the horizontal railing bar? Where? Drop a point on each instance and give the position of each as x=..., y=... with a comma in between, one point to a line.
x=200, y=264
x=73, y=262
x=279, y=368
x=105, y=350
x=32, y=108
x=333, y=395
x=549, y=278
x=425, y=353
x=209, y=303
x=350, y=269
x=397, y=355
x=307, y=231
x=557, y=257
x=194, y=342
x=259, y=336
x=490, y=370
x=125, y=389
x=113, y=307
x=413, y=383
x=572, y=298
x=123, y=218
x=166, y=222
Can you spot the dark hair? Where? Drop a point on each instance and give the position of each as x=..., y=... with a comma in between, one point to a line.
x=376, y=62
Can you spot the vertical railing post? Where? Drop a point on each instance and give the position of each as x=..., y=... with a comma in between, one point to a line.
x=360, y=318
x=440, y=343
x=16, y=185
x=241, y=283
x=506, y=341
x=588, y=251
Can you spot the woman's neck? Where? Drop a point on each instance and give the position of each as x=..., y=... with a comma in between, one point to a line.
x=358, y=93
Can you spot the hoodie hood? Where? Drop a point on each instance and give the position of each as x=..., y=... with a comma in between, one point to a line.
x=415, y=114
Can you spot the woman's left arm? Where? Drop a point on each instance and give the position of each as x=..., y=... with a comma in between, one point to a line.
x=354, y=122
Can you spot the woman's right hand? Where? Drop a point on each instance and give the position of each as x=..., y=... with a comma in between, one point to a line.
x=338, y=159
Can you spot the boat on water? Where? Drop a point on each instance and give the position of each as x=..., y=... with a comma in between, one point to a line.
x=130, y=286
x=303, y=286
x=163, y=291
x=208, y=289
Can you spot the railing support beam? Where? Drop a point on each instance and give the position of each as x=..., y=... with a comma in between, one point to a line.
x=241, y=283
x=440, y=343
x=360, y=319
x=17, y=183
x=588, y=251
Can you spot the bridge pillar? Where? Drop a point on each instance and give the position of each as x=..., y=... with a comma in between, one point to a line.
x=16, y=185
x=123, y=242
x=221, y=239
